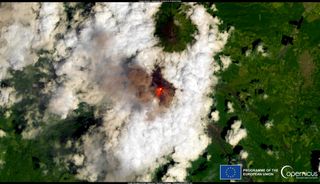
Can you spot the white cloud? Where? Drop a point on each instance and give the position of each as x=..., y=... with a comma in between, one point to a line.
x=230, y=107
x=269, y=152
x=214, y=8
x=226, y=61
x=129, y=145
x=2, y=133
x=215, y=115
x=18, y=38
x=265, y=96
x=244, y=154
x=177, y=173
x=31, y=132
x=269, y=124
x=134, y=144
x=236, y=134
x=7, y=96
x=16, y=34
x=63, y=101
x=78, y=159
x=49, y=15
x=260, y=49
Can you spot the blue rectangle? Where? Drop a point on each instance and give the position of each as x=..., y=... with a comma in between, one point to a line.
x=230, y=172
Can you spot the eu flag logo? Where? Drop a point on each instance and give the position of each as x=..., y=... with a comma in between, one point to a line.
x=230, y=172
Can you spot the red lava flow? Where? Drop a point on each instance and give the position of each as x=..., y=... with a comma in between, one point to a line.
x=159, y=91
x=164, y=90
x=146, y=86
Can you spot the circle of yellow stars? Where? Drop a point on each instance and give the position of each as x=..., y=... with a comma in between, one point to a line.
x=233, y=172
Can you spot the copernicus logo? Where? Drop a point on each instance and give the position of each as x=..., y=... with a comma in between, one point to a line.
x=288, y=172
x=230, y=172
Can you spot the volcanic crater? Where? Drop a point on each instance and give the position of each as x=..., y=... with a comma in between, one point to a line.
x=147, y=87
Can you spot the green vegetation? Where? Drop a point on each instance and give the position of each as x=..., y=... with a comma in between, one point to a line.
x=74, y=126
x=29, y=84
x=29, y=160
x=174, y=29
x=71, y=8
x=282, y=88
x=33, y=160
x=312, y=11
x=162, y=170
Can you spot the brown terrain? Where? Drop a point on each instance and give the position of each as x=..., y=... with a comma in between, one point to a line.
x=169, y=31
x=306, y=68
x=147, y=87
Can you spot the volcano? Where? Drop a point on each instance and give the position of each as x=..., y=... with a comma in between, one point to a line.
x=163, y=90
x=147, y=87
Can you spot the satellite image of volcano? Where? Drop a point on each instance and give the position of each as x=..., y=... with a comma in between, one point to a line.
x=159, y=92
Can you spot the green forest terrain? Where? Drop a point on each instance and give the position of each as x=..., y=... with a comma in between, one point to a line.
x=282, y=87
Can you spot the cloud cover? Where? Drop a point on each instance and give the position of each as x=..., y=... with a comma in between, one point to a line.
x=92, y=67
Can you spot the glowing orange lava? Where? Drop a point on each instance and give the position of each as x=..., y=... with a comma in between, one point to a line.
x=159, y=91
